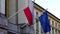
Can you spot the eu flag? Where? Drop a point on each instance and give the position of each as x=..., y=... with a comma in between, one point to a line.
x=45, y=22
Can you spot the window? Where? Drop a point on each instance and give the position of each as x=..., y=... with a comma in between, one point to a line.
x=37, y=32
x=58, y=32
x=42, y=31
x=36, y=13
x=49, y=22
x=37, y=20
x=37, y=26
x=55, y=31
x=58, y=26
x=53, y=23
x=52, y=30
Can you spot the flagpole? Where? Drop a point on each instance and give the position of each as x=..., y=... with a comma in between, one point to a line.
x=46, y=9
x=33, y=6
x=35, y=23
x=28, y=2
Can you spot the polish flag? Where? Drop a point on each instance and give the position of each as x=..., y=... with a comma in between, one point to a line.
x=28, y=12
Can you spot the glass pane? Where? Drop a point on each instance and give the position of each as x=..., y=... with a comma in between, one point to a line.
x=53, y=23
x=58, y=26
x=42, y=31
x=56, y=31
x=52, y=30
x=37, y=14
x=37, y=27
x=50, y=21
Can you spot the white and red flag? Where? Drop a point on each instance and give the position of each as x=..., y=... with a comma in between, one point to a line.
x=27, y=14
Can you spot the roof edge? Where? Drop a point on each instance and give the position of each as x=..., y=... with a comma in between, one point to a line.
x=47, y=11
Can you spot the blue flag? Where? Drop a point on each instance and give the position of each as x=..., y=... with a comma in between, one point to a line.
x=45, y=22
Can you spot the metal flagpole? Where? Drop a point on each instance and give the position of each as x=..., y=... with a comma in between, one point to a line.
x=35, y=23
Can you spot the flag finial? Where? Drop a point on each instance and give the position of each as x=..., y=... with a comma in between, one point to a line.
x=46, y=9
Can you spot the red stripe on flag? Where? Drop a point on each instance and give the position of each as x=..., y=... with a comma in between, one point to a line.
x=28, y=14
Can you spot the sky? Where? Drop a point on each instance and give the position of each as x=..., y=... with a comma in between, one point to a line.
x=52, y=5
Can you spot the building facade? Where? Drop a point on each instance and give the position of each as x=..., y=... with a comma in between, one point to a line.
x=54, y=21
x=6, y=27
x=16, y=22
x=10, y=21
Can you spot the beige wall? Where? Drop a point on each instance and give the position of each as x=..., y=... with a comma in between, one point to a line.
x=12, y=10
